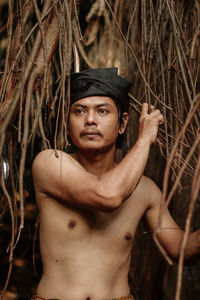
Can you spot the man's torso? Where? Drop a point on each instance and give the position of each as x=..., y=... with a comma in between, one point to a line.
x=86, y=254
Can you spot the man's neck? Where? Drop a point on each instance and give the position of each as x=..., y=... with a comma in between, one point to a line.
x=95, y=162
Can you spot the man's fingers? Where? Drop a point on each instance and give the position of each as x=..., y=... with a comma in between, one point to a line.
x=161, y=119
x=152, y=108
x=155, y=113
x=145, y=108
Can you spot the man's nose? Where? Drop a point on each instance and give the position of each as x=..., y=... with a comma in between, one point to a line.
x=90, y=118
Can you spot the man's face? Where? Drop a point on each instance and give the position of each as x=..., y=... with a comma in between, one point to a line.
x=94, y=123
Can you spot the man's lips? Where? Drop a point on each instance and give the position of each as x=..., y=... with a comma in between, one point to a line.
x=90, y=132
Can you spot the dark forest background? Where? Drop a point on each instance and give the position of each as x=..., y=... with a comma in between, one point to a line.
x=155, y=45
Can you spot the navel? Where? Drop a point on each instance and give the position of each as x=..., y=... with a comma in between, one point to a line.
x=88, y=298
x=72, y=224
x=128, y=236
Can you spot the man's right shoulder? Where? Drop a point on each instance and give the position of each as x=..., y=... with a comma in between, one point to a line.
x=51, y=172
x=49, y=160
x=49, y=155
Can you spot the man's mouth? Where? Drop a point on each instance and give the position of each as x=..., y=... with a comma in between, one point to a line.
x=90, y=132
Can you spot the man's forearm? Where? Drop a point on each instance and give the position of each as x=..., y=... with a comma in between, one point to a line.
x=124, y=177
x=192, y=251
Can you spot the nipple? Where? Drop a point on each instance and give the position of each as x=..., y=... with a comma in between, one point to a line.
x=128, y=236
x=72, y=224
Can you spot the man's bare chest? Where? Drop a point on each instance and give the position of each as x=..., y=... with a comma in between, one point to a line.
x=76, y=225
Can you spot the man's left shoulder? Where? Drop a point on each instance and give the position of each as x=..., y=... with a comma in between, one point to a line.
x=148, y=189
x=146, y=182
x=143, y=196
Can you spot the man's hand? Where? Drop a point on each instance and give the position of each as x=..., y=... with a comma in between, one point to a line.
x=148, y=123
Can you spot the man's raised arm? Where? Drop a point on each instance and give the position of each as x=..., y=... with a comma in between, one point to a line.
x=66, y=180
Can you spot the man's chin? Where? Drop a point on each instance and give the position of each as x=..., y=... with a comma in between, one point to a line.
x=95, y=147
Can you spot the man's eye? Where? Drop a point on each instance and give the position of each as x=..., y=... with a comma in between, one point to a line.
x=79, y=111
x=102, y=111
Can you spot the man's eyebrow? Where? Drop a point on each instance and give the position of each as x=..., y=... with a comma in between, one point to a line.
x=98, y=105
x=80, y=105
x=104, y=104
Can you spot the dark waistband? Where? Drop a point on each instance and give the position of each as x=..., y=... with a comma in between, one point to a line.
x=36, y=297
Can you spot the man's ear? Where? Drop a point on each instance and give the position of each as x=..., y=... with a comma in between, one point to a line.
x=123, y=123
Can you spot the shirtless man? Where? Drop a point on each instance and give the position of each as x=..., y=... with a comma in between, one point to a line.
x=89, y=206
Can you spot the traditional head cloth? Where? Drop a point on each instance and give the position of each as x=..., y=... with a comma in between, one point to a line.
x=102, y=82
